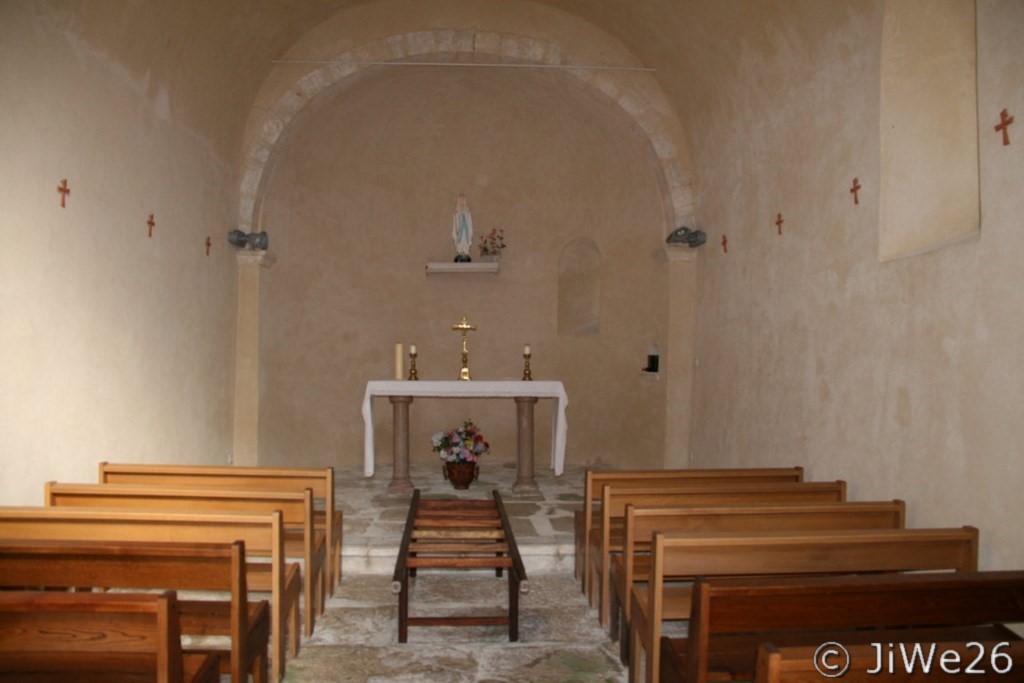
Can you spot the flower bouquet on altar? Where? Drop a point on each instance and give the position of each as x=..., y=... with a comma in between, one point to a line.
x=460, y=449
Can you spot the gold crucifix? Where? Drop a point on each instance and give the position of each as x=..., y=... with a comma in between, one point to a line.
x=464, y=326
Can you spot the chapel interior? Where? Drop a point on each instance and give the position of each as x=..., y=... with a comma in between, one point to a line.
x=851, y=165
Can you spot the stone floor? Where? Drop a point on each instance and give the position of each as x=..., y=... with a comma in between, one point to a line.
x=542, y=521
x=357, y=638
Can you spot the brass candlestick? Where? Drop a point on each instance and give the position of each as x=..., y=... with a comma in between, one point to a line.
x=526, y=363
x=413, y=375
x=464, y=326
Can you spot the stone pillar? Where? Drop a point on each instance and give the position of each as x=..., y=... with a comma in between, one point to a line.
x=400, y=481
x=678, y=355
x=525, y=482
x=247, y=356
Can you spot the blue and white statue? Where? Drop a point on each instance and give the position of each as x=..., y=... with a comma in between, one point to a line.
x=462, y=230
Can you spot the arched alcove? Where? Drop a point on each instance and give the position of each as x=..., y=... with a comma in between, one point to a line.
x=353, y=164
x=361, y=197
x=579, y=288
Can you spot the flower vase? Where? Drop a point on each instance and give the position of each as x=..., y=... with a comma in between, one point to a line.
x=461, y=474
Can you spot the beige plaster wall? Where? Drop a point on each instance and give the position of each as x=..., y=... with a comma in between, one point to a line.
x=114, y=345
x=361, y=197
x=904, y=378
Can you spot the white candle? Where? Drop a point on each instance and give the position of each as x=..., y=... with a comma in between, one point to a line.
x=399, y=360
x=526, y=349
x=412, y=349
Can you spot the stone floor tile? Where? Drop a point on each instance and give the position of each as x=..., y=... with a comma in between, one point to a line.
x=356, y=639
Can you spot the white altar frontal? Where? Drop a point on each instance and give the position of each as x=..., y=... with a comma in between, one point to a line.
x=526, y=393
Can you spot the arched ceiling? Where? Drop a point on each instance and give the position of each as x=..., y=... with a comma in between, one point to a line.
x=353, y=42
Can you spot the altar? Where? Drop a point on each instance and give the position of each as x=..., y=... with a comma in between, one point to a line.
x=525, y=393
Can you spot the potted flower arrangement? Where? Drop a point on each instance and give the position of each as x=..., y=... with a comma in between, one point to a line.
x=492, y=244
x=460, y=449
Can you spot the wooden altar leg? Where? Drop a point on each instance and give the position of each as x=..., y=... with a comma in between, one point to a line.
x=400, y=481
x=525, y=482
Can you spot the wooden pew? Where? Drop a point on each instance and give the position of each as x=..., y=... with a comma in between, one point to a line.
x=320, y=480
x=296, y=509
x=593, y=480
x=143, y=565
x=261, y=532
x=983, y=659
x=606, y=535
x=633, y=565
x=731, y=618
x=96, y=637
x=843, y=551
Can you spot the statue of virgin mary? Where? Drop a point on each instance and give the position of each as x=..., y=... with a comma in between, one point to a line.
x=462, y=229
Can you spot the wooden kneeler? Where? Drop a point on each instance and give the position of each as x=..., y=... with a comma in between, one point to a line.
x=458, y=534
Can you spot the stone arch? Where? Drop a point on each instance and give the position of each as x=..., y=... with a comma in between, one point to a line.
x=635, y=92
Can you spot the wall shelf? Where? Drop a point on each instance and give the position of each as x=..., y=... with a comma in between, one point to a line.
x=453, y=268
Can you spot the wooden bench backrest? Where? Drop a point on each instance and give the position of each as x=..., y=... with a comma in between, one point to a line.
x=296, y=507
x=38, y=630
x=796, y=664
x=614, y=499
x=594, y=479
x=120, y=564
x=842, y=603
x=319, y=480
x=137, y=565
x=643, y=521
x=815, y=552
x=261, y=532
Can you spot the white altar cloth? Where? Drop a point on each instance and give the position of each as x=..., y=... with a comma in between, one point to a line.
x=468, y=389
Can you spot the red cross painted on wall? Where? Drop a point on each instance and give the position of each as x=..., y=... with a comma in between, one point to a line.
x=725, y=244
x=208, y=243
x=854, y=190
x=64, y=191
x=778, y=223
x=151, y=223
x=1003, y=126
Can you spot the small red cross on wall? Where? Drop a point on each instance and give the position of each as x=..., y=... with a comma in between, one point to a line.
x=725, y=244
x=854, y=189
x=778, y=223
x=151, y=223
x=1003, y=125
x=64, y=191
x=208, y=243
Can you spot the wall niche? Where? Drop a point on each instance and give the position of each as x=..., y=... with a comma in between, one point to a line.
x=579, y=288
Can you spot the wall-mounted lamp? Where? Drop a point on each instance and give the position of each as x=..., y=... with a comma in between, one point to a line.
x=256, y=240
x=684, y=235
